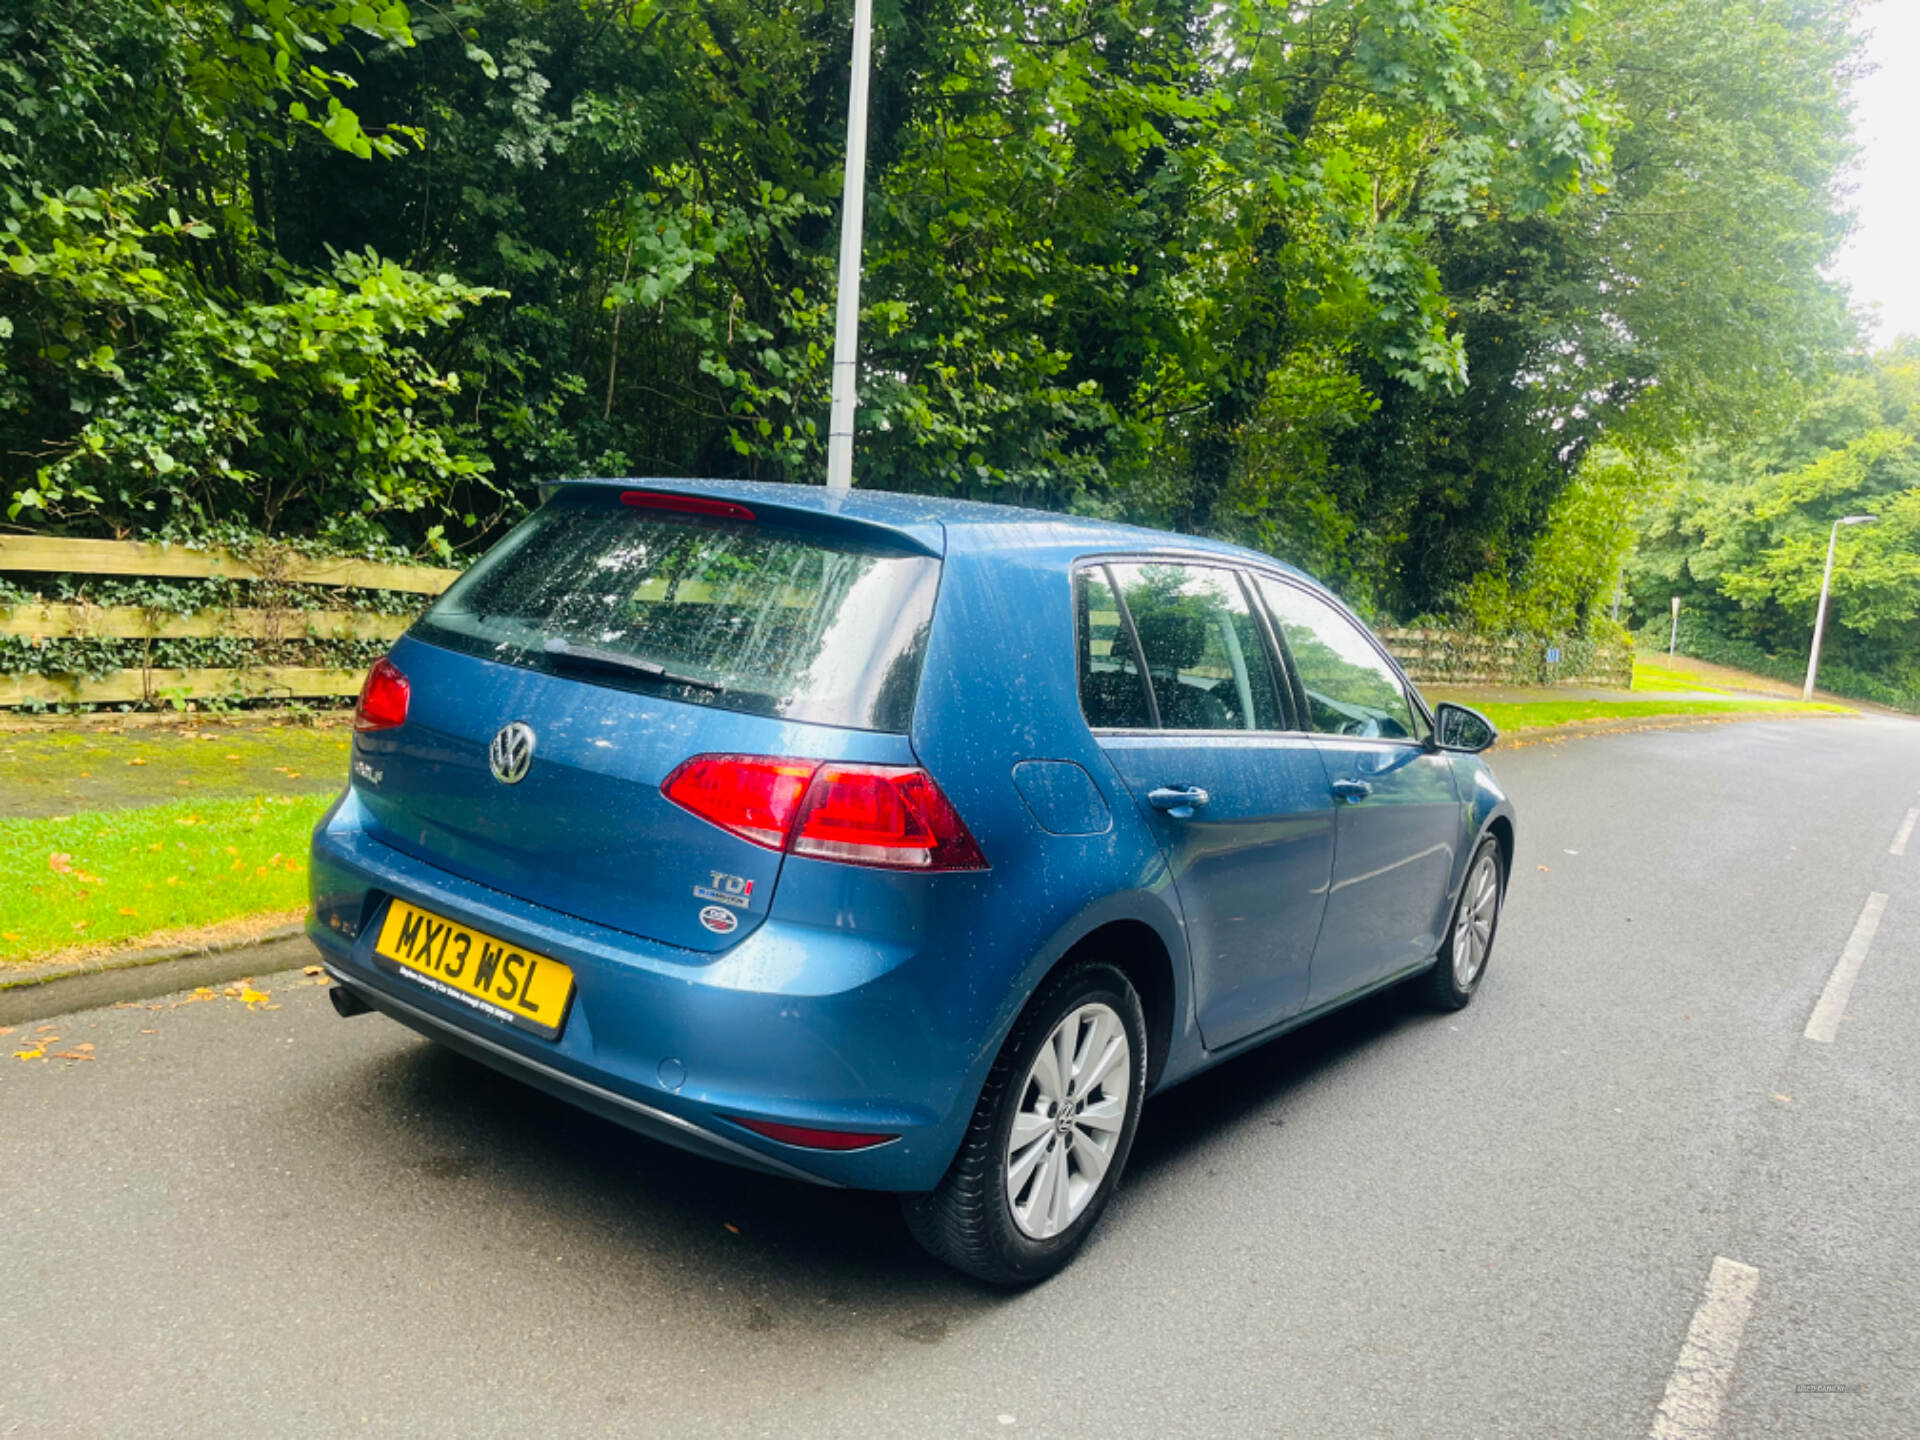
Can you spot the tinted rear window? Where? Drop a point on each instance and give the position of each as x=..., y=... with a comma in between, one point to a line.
x=786, y=620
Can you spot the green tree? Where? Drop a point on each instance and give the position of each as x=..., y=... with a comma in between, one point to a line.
x=1364, y=282
x=1743, y=541
x=161, y=365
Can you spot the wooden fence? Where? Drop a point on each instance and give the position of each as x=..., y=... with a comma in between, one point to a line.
x=270, y=626
x=1453, y=657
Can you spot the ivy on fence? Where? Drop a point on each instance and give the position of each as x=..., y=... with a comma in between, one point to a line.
x=1433, y=654
x=203, y=639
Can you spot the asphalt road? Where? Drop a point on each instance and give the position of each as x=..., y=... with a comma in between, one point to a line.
x=242, y=1220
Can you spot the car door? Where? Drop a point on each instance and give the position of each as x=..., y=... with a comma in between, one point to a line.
x=1400, y=822
x=1181, y=682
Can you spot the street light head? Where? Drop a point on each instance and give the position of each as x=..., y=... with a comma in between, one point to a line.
x=1858, y=519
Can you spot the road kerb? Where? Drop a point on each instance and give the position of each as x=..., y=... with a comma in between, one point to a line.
x=141, y=975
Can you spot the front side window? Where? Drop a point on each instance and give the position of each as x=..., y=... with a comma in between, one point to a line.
x=1203, y=647
x=1351, y=689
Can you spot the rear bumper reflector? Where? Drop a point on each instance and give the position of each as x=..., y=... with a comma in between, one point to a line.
x=811, y=1139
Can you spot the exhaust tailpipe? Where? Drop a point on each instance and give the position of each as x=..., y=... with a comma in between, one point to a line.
x=346, y=1003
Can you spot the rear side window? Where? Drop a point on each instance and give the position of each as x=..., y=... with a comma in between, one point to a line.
x=1112, y=695
x=1205, y=655
x=787, y=620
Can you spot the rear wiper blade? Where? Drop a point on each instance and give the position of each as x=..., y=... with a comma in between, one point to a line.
x=614, y=660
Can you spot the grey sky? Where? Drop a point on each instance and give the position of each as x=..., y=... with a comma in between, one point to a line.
x=1881, y=261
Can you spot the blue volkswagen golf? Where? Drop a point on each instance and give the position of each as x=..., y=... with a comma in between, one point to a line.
x=889, y=842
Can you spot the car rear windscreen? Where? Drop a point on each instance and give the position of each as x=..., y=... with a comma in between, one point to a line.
x=794, y=620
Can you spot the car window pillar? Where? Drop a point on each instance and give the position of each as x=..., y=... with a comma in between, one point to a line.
x=1133, y=639
x=1293, y=708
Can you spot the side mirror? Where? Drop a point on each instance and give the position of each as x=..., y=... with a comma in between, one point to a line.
x=1455, y=727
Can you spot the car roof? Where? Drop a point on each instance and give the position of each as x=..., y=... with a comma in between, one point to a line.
x=923, y=516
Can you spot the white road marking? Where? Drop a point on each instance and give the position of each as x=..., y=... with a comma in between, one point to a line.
x=1825, y=1020
x=1899, y=846
x=1690, y=1410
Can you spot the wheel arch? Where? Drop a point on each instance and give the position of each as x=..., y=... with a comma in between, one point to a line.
x=1137, y=950
x=1501, y=828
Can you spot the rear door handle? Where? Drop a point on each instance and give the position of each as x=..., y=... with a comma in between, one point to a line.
x=1352, y=791
x=1179, y=801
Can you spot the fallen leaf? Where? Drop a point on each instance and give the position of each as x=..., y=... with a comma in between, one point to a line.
x=149, y=1032
x=1783, y=1099
x=306, y=970
x=1543, y=867
x=125, y=911
x=9, y=934
x=70, y=1055
x=137, y=760
x=35, y=1054
x=84, y=1045
x=6, y=1029
x=60, y=862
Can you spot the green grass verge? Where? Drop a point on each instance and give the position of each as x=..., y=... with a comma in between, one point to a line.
x=1541, y=714
x=65, y=771
x=1650, y=676
x=119, y=874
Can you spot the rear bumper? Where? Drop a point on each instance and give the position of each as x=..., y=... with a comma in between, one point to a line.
x=648, y=1120
x=810, y=1027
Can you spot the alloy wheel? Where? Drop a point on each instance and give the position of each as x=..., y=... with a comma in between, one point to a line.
x=1073, y=1108
x=1473, y=926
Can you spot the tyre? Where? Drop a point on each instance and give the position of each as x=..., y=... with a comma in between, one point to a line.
x=1450, y=984
x=1049, y=1138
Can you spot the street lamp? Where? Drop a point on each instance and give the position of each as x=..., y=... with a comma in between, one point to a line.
x=1820, y=617
x=846, y=316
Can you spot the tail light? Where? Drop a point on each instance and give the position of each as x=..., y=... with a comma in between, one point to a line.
x=752, y=796
x=383, y=699
x=891, y=816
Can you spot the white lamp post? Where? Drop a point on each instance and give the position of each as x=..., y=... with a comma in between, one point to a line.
x=1820, y=617
x=846, y=317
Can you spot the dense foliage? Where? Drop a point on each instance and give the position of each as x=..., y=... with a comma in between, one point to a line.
x=1742, y=539
x=1417, y=293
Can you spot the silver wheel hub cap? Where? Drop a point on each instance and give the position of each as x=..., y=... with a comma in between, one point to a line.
x=1473, y=925
x=1073, y=1106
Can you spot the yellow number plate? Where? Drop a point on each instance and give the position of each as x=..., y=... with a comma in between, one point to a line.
x=506, y=982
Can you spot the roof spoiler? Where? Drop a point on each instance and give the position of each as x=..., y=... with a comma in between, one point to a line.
x=804, y=507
